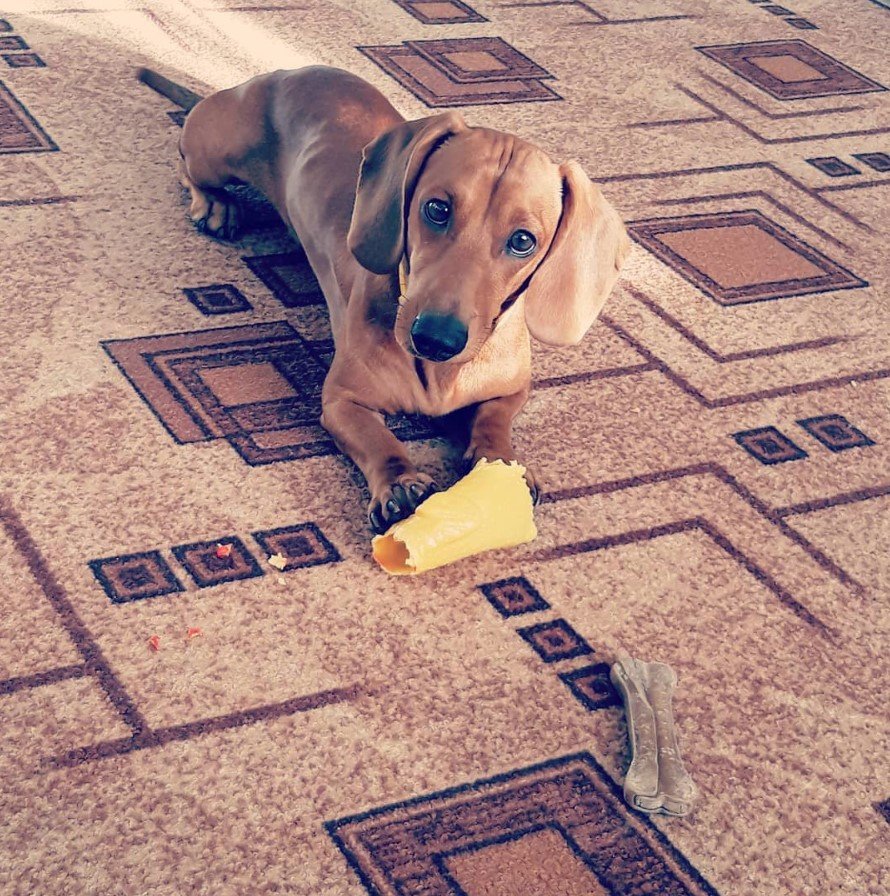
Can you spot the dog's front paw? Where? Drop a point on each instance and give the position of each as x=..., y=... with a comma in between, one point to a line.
x=473, y=455
x=399, y=499
x=533, y=485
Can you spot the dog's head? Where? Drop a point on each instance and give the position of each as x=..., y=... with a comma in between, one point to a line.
x=482, y=218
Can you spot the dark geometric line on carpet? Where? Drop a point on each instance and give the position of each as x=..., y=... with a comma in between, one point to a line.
x=20, y=114
x=600, y=18
x=159, y=737
x=675, y=18
x=743, y=166
x=713, y=354
x=39, y=679
x=591, y=375
x=778, y=116
x=729, y=400
x=690, y=525
x=88, y=647
x=859, y=185
x=667, y=122
x=712, y=469
x=862, y=494
x=767, y=141
x=44, y=200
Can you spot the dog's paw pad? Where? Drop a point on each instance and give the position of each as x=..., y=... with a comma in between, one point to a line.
x=218, y=219
x=399, y=500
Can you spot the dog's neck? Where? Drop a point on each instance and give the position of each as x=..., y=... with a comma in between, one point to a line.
x=505, y=347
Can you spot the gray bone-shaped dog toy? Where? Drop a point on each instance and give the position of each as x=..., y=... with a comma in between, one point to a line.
x=656, y=780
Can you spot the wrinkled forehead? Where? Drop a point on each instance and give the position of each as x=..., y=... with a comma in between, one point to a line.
x=495, y=170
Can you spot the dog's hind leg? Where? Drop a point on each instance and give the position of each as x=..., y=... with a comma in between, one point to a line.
x=204, y=170
x=212, y=209
x=225, y=141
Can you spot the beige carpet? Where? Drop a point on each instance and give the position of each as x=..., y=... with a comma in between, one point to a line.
x=714, y=456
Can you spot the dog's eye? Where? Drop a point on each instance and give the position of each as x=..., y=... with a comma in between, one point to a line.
x=521, y=243
x=437, y=211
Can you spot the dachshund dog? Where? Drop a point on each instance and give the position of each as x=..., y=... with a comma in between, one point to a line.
x=439, y=248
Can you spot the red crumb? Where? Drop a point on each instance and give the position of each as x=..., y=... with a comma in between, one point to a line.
x=223, y=550
x=193, y=633
x=154, y=642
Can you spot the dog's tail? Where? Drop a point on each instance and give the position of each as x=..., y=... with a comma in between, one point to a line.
x=182, y=96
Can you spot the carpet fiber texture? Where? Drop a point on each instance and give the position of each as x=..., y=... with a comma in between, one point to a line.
x=714, y=458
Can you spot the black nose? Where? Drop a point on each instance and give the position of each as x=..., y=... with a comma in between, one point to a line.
x=438, y=337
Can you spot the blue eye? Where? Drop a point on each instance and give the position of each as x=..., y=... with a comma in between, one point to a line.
x=521, y=243
x=437, y=212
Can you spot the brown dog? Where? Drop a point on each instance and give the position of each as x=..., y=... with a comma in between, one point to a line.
x=490, y=239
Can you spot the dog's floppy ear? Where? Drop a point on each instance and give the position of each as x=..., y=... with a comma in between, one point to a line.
x=571, y=284
x=390, y=167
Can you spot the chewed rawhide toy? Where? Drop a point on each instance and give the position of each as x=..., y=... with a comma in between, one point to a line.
x=491, y=507
x=656, y=780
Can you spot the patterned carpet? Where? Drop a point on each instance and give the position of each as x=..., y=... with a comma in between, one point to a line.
x=176, y=719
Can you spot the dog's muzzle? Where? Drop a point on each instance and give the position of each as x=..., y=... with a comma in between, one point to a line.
x=438, y=337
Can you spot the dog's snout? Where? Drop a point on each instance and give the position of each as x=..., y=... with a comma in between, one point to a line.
x=438, y=337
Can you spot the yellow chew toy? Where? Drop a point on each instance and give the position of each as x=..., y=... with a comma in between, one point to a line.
x=491, y=507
